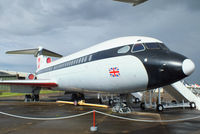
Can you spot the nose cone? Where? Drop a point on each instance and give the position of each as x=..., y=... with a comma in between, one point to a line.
x=164, y=68
x=188, y=67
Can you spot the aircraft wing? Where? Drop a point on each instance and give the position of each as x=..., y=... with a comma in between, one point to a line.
x=135, y=2
x=31, y=83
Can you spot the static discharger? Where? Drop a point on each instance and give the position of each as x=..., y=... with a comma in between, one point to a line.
x=82, y=103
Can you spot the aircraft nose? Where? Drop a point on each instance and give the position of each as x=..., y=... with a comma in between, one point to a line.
x=188, y=67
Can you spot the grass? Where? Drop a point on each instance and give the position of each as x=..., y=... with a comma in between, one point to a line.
x=9, y=94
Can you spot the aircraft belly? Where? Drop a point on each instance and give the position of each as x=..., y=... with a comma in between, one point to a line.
x=97, y=76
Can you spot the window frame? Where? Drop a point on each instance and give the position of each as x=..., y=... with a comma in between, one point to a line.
x=138, y=50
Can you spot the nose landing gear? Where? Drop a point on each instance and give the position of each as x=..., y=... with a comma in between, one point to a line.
x=121, y=104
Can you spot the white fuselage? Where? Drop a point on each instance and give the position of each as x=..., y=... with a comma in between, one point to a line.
x=122, y=65
x=95, y=76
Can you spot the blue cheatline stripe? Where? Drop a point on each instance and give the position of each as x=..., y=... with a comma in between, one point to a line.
x=85, y=59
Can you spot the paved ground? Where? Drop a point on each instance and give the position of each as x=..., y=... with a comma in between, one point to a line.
x=106, y=125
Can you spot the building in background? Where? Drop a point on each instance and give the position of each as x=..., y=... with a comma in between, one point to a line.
x=10, y=75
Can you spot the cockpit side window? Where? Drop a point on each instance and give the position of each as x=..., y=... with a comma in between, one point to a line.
x=137, y=48
x=123, y=50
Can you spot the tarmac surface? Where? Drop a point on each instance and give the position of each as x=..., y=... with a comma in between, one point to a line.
x=47, y=108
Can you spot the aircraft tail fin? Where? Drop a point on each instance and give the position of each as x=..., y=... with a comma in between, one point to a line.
x=41, y=54
x=36, y=52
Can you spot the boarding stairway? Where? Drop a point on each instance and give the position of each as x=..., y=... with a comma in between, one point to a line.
x=137, y=96
x=181, y=93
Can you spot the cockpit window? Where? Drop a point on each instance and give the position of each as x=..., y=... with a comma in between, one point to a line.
x=152, y=45
x=123, y=50
x=163, y=46
x=137, y=48
x=155, y=45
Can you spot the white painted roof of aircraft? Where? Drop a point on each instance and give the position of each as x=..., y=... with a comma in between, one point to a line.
x=117, y=42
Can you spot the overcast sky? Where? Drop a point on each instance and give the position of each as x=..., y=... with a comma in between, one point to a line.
x=67, y=26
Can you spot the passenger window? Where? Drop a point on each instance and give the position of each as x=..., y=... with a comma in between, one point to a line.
x=79, y=60
x=82, y=59
x=85, y=58
x=90, y=58
x=67, y=64
x=137, y=48
x=76, y=61
x=123, y=50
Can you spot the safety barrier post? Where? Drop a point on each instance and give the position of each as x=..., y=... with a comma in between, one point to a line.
x=93, y=128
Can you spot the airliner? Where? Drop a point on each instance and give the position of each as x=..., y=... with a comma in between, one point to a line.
x=134, y=2
x=122, y=65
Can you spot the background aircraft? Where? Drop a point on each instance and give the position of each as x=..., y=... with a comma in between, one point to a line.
x=134, y=2
x=196, y=86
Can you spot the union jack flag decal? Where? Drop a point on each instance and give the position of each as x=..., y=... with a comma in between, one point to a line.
x=114, y=72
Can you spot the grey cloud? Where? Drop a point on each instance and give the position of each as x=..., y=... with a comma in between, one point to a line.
x=191, y=4
x=32, y=17
x=68, y=26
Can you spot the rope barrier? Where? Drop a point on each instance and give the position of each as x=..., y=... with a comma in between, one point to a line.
x=110, y=115
x=148, y=121
x=45, y=119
